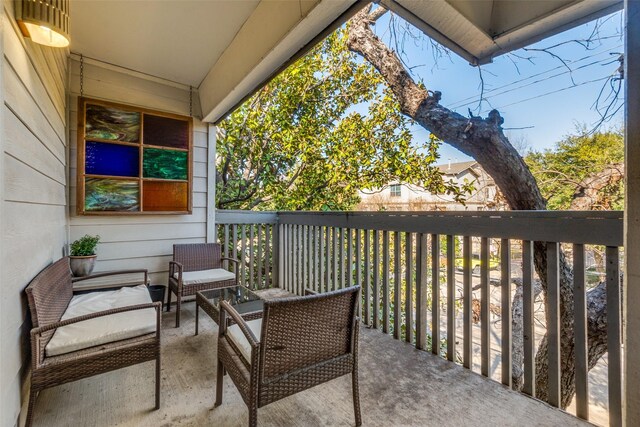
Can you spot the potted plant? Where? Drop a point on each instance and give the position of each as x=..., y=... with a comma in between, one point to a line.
x=83, y=255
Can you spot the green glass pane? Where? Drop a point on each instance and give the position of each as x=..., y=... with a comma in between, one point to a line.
x=164, y=164
x=111, y=195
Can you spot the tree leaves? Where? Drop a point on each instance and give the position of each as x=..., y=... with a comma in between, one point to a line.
x=316, y=134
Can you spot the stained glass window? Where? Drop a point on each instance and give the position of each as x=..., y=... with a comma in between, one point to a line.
x=132, y=160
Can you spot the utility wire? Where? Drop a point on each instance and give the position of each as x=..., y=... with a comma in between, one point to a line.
x=473, y=99
x=554, y=91
x=545, y=79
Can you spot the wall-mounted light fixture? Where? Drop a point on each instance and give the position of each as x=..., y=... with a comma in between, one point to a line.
x=45, y=21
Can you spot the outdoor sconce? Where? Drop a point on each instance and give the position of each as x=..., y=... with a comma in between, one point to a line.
x=44, y=21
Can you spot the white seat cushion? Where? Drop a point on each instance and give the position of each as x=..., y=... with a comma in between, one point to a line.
x=106, y=329
x=205, y=276
x=235, y=334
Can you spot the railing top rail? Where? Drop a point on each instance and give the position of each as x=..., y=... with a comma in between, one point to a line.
x=586, y=227
x=245, y=217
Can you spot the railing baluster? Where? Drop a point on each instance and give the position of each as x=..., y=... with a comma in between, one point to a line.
x=528, y=327
x=300, y=253
x=505, y=321
x=408, y=298
x=336, y=260
x=385, y=281
x=243, y=254
x=376, y=279
x=234, y=241
x=359, y=269
x=304, y=253
x=367, y=275
x=421, y=291
x=327, y=259
x=580, y=332
x=435, y=294
x=313, y=258
x=252, y=285
x=293, y=258
x=276, y=257
x=268, y=256
x=226, y=245
x=397, y=291
x=341, y=259
x=467, y=326
x=614, y=347
x=349, y=257
x=451, y=299
x=553, y=328
x=321, y=258
x=290, y=259
x=485, y=295
x=259, y=284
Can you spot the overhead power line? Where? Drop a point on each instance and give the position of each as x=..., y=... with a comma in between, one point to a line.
x=491, y=92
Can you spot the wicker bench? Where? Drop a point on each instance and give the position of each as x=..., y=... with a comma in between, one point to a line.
x=75, y=337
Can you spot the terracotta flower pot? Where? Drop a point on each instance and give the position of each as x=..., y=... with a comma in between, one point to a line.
x=82, y=265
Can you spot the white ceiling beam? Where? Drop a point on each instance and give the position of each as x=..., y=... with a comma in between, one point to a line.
x=255, y=55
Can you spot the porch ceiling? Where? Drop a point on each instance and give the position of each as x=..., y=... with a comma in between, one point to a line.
x=479, y=30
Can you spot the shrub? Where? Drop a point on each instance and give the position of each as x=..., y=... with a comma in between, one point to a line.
x=85, y=246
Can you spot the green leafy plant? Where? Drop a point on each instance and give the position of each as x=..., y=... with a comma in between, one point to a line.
x=85, y=246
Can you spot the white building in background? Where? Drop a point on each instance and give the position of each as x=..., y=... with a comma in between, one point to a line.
x=407, y=197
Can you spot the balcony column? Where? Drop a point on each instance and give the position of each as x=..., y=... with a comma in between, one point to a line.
x=631, y=290
x=211, y=184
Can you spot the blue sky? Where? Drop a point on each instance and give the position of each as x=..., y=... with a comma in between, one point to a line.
x=548, y=117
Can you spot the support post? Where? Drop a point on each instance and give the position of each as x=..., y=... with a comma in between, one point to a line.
x=631, y=292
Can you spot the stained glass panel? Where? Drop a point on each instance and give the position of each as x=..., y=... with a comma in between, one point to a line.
x=165, y=196
x=112, y=124
x=166, y=132
x=164, y=164
x=112, y=159
x=102, y=194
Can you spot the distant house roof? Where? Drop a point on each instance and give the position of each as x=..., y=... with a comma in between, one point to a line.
x=456, y=168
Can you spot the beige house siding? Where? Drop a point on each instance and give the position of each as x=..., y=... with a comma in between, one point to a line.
x=33, y=216
x=138, y=241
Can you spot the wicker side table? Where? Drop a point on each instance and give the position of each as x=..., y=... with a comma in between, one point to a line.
x=245, y=301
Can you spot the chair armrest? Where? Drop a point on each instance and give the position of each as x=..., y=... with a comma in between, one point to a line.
x=308, y=291
x=226, y=308
x=235, y=262
x=36, y=333
x=113, y=273
x=176, y=267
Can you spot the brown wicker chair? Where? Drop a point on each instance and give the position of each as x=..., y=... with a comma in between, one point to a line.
x=190, y=258
x=304, y=341
x=49, y=294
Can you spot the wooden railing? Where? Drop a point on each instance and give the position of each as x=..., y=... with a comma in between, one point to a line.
x=396, y=256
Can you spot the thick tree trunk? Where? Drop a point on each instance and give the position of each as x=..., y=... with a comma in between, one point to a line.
x=484, y=140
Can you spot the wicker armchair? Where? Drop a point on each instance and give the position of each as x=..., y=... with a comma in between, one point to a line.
x=197, y=258
x=304, y=341
x=49, y=294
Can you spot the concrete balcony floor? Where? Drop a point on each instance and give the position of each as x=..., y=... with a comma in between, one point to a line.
x=399, y=386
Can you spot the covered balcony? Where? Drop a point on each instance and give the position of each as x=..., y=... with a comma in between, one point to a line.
x=436, y=340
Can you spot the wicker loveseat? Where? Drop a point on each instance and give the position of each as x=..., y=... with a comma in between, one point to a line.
x=299, y=342
x=75, y=337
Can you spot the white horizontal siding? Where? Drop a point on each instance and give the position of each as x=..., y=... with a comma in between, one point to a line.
x=33, y=178
x=138, y=241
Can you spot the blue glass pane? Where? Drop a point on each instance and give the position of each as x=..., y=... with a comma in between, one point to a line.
x=112, y=159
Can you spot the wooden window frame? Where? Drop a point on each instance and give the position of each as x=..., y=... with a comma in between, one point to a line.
x=81, y=150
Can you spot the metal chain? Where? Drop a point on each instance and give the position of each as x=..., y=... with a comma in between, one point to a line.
x=81, y=75
x=190, y=101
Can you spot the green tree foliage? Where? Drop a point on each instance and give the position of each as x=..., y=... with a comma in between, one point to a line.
x=300, y=143
x=561, y=171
